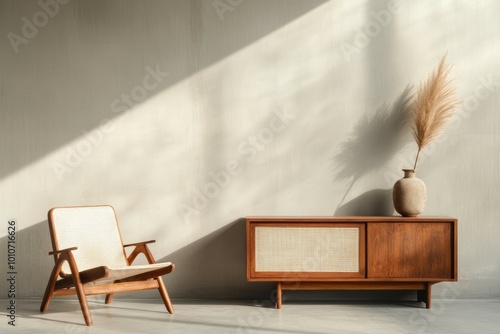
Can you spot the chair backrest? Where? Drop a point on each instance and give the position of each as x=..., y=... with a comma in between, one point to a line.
x=94, y=230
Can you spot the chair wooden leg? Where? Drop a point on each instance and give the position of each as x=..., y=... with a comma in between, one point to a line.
x=82, y=299
x=164, y=295
x=80, y=291
x=109, y=298
x=47, y=297
x=161, y=286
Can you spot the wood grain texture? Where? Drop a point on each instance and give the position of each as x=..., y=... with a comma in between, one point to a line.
x=410, y=250
x=364, y=285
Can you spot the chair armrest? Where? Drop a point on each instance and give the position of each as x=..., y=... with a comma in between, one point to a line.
x=140, y=248
x=63, y=255
x=66, y=250
x=140, y=243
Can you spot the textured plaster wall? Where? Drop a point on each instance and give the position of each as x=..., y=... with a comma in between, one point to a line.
x=188, y=115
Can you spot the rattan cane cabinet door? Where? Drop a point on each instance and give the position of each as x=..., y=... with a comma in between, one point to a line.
x=305, y=251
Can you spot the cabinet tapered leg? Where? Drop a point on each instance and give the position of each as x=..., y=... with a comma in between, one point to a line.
x=425, y=295
x=279, y=295
x=428, y=296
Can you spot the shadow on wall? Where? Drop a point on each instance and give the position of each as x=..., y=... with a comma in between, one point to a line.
x=32, y=261
x=376, y=202
x=375, y=139
x=215, y=267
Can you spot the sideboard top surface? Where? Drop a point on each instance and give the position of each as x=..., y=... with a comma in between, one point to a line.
x=348, y=219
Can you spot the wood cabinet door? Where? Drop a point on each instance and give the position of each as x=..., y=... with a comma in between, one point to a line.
x=421, y=250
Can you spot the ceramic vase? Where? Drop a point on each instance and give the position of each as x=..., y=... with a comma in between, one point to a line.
x=409, y=194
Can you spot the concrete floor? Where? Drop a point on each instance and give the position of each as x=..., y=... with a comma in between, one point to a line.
x=219, y=317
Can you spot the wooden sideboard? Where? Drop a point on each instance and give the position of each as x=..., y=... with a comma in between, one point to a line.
x=352, y=253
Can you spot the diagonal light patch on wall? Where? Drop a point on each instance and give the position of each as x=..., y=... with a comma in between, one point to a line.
x=66, y=78
x=103, y=57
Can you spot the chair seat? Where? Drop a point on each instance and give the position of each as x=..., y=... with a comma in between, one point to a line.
x=104, y=274
x=115, y=274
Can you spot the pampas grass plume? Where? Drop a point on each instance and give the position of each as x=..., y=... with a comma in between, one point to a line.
x=432, y=107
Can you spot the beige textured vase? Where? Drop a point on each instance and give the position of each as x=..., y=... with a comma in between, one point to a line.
x=409, y=195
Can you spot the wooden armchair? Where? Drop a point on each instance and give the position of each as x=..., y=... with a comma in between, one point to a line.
x=90, y=258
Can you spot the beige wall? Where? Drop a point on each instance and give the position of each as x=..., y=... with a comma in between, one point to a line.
x=189, y=115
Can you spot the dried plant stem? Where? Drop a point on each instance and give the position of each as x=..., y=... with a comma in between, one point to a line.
x=416, y=159
x=432, y=107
